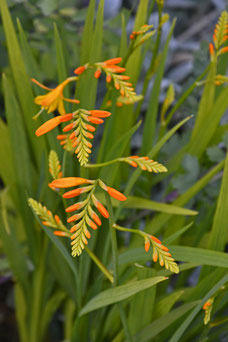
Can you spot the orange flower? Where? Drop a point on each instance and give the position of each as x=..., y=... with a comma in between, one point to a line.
x=54, y=98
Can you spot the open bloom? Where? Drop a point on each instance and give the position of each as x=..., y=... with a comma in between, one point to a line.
x=54, y=98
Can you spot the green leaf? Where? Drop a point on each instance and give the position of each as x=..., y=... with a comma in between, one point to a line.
x=119, y=293
x=50, y=307
x=87, y=81
x=206, y=102
x=30, y=62
x=60, y=246
x=176, y=235
x=152, y=153
x=87, y=33
x=218, y=233
x=194, y=255
x=163, y=323
x=166, y=303
x=134, y=61
x=23, y=87
x=141, y=203
x=61, y=62
x=160, y=220
x=200, y=256
x=151, y=114
x=12, y=247
x=180, y=331
x=200, y=140
x=117, y=150
x=6, y=165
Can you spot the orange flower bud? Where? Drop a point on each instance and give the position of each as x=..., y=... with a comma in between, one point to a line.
x=48, y=126
x=96, y=218
x=72, y=193
x=89, y=135
x=61, y=136
x=80, y=69
x=94, y=120
x=97, y=73
x=164, y=248
x=68, y=127
x=100, y=113
x=147, y=246
x=68, y=182
x=223, y=50
x=66, y=117
x=73, y=218
x=103, y=211
x=57, y=219
x=211, y=49
x=113, y=61
x=108, y=78
x=92, y=225
x=155, y=239
x=116, y=194
x=90, y=128
x=60, y=233
x=74, y=207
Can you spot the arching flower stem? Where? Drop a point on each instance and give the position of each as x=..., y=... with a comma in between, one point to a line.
x=99, y=264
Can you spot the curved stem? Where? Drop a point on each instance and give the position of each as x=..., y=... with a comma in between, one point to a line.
x=100, y=265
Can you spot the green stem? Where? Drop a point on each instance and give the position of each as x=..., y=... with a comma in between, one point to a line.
x=130, y=230
x=115, y=267
x=38, y=279
x=99, y=264
x=102, y=164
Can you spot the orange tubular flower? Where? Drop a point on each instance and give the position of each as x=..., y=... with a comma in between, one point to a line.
x=54, y=98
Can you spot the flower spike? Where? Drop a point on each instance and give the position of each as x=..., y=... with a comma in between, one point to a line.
x=86, y=217
x=78, y=139
x=113, y=73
